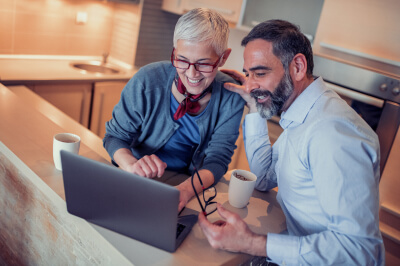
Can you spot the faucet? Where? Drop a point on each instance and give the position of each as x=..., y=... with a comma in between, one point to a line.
x=105, y=56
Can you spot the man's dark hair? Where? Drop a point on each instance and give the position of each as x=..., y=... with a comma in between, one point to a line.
x=287, y=41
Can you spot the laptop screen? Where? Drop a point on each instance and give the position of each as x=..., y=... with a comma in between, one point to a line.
x=134, y=206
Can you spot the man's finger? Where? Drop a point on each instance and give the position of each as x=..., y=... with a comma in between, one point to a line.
x=235, y=74
x=230, y=217
x=204, y=223
x=234, y=88
x=228, y=71
x=220, y=223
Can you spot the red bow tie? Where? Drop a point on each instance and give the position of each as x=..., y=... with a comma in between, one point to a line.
x=190, y=104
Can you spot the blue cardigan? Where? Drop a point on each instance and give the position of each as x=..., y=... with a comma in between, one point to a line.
x=142, y=120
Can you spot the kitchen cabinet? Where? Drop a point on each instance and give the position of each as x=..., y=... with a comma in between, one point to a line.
x=229, y=9
x=304, y=13
x=106, y=95
x=136, y=2
x=91, y=103
x=366, y=34
x=74, y=99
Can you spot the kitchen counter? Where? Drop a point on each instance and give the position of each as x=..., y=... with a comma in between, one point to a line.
x=27, y=133
x=25, y=69
x=87, y=97
x=34, y=224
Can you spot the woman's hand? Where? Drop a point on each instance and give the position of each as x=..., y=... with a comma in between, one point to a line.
x=186, y=189
x=184, y=196
x=149, y=166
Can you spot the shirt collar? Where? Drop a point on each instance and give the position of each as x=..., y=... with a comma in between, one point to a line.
x=301, y=106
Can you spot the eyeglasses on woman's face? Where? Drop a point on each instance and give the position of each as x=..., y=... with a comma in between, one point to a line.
x=201, y=67
x=207, y=205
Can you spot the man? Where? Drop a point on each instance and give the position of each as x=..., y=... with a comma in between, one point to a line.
x=325, y=163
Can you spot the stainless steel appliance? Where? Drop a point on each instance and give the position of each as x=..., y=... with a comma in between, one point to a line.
x=376, y=97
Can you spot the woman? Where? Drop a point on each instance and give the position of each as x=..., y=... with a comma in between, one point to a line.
x=173, y=112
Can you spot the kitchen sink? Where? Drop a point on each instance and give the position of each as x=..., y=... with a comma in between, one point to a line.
x=97, y=67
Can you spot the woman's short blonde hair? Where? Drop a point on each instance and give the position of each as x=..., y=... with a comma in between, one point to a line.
x=203, y=24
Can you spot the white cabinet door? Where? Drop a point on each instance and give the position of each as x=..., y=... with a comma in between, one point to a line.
x=173, y=6
x=73, y=99
x=304, y=13
x=229, y=9
x=106, y=96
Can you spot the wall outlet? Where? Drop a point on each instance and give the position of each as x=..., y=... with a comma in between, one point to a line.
x=81, y=17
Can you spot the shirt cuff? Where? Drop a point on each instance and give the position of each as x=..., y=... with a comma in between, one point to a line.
x=112, y=144
x=283, y=249
x=254, y=125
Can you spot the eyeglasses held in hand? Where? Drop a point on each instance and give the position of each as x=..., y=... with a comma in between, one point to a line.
x=208, y=195
x=182, y=64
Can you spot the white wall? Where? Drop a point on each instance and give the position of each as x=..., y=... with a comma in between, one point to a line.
x=235, y=60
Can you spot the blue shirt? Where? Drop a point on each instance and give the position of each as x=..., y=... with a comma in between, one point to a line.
x=177, y=151
x=326, y=167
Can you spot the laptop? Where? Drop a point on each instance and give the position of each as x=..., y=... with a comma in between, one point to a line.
x=134, y=206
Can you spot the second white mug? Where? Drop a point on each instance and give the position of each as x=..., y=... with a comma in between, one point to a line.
x=64, y=141
x=241, y=188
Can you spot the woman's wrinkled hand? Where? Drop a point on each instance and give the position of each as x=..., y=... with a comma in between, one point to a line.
x=149, y=166
x=185, y=195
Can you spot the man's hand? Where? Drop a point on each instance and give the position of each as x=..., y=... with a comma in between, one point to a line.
x=236, y=75
x=149, y=166
x=233, y=234
x=240, y=89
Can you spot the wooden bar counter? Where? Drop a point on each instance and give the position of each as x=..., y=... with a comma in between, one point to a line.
x=35, y=227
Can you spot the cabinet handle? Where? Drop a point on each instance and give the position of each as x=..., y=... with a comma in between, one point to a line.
x=100, y=113
x=361, y=97
x=82, y=107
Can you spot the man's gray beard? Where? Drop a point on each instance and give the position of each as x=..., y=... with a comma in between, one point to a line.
x=277, y=98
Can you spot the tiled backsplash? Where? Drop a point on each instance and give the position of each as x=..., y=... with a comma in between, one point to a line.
x=48, y=27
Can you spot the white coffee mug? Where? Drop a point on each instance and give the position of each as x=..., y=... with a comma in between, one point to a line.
x=241, y=188
x=64, y=141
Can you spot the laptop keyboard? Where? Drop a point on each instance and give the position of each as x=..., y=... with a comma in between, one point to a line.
x=179, y=229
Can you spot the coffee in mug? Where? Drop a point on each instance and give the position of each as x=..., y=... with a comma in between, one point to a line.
x=241, y=177
x=66, y=138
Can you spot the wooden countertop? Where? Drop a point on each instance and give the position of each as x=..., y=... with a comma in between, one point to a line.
x=28, y=133
x=27, y=69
